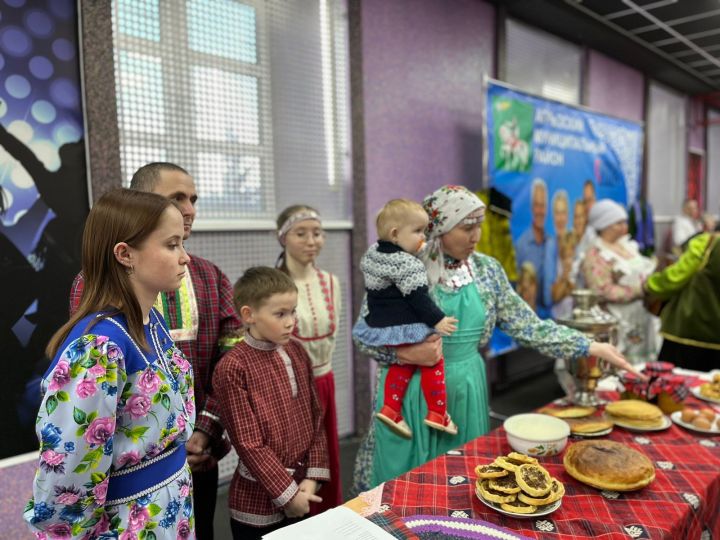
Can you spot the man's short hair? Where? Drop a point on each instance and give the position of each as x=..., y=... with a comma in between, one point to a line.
x=147, y=176
x=258, y=284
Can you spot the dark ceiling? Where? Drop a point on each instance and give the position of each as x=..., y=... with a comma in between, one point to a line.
x=676, y=42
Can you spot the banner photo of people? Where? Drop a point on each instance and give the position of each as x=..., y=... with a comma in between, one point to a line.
x=553, y=161
x=43, y=198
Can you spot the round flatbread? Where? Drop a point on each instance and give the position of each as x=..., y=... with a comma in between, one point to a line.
x=519, y=507
x=590, y=425
x=557, y=491
x=533, y=479
x=506, y=484
x=640, y=424
x=490, y=471
x=634, y=409
x=493, y=496
x=568, y=412
x=608, y=465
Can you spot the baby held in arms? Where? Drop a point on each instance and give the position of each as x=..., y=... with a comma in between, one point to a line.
x=400, y=311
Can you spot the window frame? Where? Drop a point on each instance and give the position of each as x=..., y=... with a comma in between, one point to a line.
x=177, y=59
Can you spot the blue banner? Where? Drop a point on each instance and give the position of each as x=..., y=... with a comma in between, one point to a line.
x=553, y=161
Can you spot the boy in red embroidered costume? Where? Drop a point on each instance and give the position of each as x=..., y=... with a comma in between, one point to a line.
x=264, y=388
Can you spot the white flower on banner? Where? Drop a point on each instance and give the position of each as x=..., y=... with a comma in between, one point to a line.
x=455, y=480
x=383, y=508
x=612, y=495
x=665, y=465
x=642, y=440
x=454, y=453
x=544, y=525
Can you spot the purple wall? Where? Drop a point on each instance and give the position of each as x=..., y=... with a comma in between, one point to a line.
x=614, y=88
x=423, y=73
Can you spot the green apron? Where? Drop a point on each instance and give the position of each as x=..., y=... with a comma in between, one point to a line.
x=467, y=395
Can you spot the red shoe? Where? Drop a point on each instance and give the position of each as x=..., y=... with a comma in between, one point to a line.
x=394, y=421
x=437, y=421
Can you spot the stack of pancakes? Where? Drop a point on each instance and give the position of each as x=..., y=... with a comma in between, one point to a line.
x=568, y=412
x=589, y=427
x=517, y=483
x=580, y=420
x=635, y=413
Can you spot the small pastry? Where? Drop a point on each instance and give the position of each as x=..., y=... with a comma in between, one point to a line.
x=708, y=413
x=493, y=496
x=688, y=414
x=533, y=479
x=505, y=485
x=490, y=471
x=522, y=457
x=556, y=492
x=702, y=422
x=519, y=507
x=507, y=463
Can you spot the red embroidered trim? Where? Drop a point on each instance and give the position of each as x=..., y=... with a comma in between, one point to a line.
x=329, y=297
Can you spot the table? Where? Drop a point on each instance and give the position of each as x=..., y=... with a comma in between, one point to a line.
x=682, y=503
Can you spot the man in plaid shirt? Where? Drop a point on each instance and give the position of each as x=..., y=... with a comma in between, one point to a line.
x=266, y=389
x=204, y=325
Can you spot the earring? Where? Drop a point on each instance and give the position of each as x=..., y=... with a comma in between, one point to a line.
x=130, y=271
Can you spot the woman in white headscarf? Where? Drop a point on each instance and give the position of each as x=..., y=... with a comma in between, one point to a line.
x=615, y=270
x=473, y=288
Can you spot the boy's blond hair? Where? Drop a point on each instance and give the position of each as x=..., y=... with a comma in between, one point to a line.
x=258, y=284
x=393, y=214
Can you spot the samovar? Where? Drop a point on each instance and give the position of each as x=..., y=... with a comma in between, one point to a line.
x=579, y=377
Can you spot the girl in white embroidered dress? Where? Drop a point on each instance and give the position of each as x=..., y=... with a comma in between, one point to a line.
x=302, y=238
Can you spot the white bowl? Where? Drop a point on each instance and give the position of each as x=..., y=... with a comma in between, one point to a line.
x=537, y=434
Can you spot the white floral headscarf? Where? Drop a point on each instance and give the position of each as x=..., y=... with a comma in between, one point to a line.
x=447, y=207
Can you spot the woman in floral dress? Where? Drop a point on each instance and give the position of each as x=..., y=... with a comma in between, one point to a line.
x=118, y=400
x=615, y=270
x=474, y=289
x=301, y=235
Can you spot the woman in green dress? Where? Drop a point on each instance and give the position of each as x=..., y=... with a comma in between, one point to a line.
x=473, y=288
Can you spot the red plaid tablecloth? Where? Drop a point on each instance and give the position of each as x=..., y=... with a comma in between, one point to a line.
x=682, y=503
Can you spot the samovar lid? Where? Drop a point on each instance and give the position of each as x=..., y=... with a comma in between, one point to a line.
x=587, y=316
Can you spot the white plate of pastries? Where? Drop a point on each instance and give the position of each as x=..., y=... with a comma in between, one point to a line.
x=517, y=485
x=709, y=391
x=702, y=420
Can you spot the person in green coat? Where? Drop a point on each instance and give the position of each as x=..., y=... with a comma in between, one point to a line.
x=690, y=318
x=474, y=289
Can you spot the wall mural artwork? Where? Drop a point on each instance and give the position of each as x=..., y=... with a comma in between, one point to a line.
x=43, y=198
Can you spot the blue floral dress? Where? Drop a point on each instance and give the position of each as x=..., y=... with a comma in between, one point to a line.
x=110, y=411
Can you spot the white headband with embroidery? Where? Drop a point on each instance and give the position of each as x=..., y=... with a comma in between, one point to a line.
x=302, y=215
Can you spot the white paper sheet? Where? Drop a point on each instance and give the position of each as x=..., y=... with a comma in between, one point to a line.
x=337, y=523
